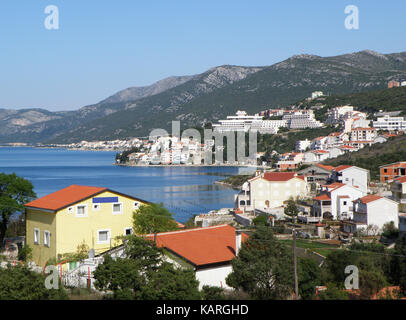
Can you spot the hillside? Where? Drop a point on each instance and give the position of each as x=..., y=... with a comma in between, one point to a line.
x=281, y=84
x=373, y=157
x=371, y=102
x=214, y=94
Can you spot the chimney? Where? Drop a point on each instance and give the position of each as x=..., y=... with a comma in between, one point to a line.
x=237, y=241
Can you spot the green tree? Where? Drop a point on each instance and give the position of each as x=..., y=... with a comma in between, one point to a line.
x=20, y=283
x=25, y=253
x=144, y=275
x=291, y=209
x=213, y=293
x=309, y=277
x=171, y=283
x=263, y=267
x=14, y=193
x=333, y=292
x=260, y=220
x=398, y=265
x=153, y=218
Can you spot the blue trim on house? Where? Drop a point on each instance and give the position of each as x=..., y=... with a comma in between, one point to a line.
x=105, y=200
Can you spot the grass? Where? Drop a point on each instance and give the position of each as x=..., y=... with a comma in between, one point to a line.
x=321, y=248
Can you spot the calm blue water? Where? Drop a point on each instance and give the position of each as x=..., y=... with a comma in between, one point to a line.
x=184, y=190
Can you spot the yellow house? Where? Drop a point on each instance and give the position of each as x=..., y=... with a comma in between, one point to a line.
x=59, y=222
x=273, y=189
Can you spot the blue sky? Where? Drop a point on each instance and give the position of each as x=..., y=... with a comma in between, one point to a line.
x=102, y=47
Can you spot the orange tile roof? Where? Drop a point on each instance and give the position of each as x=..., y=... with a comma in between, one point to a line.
x=329, y=168
x=65, y=197
x=69, y=196
x=341, y=168
x=201, y=246
x=370, y=198
x=401, y=179
x=323, y=197
x=281, y=176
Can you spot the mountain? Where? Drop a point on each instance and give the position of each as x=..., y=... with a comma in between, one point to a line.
x=214, y=94
x=134, y=93
x=277, y=85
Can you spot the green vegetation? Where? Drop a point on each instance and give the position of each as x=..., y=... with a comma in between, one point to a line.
x=237, y=181
x=153, y=218
x=123, y=156
x=20, y=283
x=14, y=193
x=145, y=275
x=371, y=158
x=263, y=267
x=286, y=142
x=371, y=101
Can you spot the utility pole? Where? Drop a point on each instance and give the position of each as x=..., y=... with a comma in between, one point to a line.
x=295, y=265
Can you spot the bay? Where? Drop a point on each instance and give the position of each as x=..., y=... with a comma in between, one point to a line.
x=185, y=191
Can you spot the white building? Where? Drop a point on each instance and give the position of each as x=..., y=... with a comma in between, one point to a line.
x=335, y=115
x=388, y=123
x=352, y=176
x=317, y=94
x=315, y=156
x=372, y=211
x=302, y=145
x=272, y=189
x=403, y=84
x=363, y=134
x=243, y=122
x=302, y=119
x=335, y=201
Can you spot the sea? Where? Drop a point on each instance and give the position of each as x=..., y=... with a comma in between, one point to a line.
x=185, y=191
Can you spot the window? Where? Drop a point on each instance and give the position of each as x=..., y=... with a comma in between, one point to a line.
x=117, y=208
x=47, y=239
x=128, y=231
x=103, y=236
x=96, y=207
x=81, y=210
x=36, y=236
x=345, y=203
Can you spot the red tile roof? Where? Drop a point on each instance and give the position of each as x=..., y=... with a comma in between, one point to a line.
x=341, y=168
x=281, y=176
x=323, y=197
x=201, y=246
x=370, y=198
x=329, y=168
x=65, y=197
x=401, y=179
x=320, y=151
x=69, y=196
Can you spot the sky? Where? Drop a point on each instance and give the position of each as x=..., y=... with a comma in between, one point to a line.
x=103, y=46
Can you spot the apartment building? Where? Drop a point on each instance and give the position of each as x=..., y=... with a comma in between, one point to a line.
x=372, y=210
x=352, y=176
x=388, y=123
x=302, y=119
x=398, y=188
x=392, y=171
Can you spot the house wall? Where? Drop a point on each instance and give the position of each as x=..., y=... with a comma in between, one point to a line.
x=68, y=231
x=382, y=211
x=213, y=276
x=356, y=177
x=353, y=194
x=276, y=193
x=72, y=230
x=44, y=221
